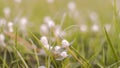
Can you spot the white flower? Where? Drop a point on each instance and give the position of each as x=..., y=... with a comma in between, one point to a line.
x=57, y=48
x=17, y=1
x=50, y=1
x=47, y=18
x=50, y=23
x=22, y=24
x=23, y=21
x=41, y=67
x=71, y=6
x=2, y=22
x=83, y=28
x=10, y=26
x=94, y=17
x=65, y=43
x=48, y=47
x=63, y=54
x=7, y=11
x=44, y=40
x=95, y=28
x=44, y=29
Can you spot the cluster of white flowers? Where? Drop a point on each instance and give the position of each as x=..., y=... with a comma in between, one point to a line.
x=44, y=41
x=49, y=25
x=73, y=12
x=59, y=50
x=9, y=22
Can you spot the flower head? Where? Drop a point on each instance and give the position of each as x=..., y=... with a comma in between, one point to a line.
x=7, y=11
x=95, y=28
x=65, y=43
x=64, y=54
x=44, y=40
x=83, y=28
x=10, y=26
x=41, y=67
x=71, y=6
x=57, y=48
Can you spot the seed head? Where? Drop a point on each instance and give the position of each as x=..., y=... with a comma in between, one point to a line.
x=44, y=29
x=57, y=48
x=71, y=6
x=2, y=38
x=65, y=43
x=95, y=28
x=10, y=26
x=44, y=40
x=7, y=11
x=64, y=54
x=83, y=28
x=23, y=21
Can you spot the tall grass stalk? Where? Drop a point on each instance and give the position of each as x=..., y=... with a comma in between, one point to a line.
x=83, y=59
x=111, y=45
x=18, y=53
x=82, y=62
x=4, y=60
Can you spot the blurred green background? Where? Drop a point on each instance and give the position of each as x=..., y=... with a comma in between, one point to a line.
x=36, y=10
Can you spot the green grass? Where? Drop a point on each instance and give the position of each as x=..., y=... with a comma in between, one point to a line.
x=88, y=49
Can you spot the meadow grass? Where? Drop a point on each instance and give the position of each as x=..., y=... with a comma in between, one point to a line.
x=59, y=34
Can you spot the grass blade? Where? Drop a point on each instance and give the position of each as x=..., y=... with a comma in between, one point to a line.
x=111, y=45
